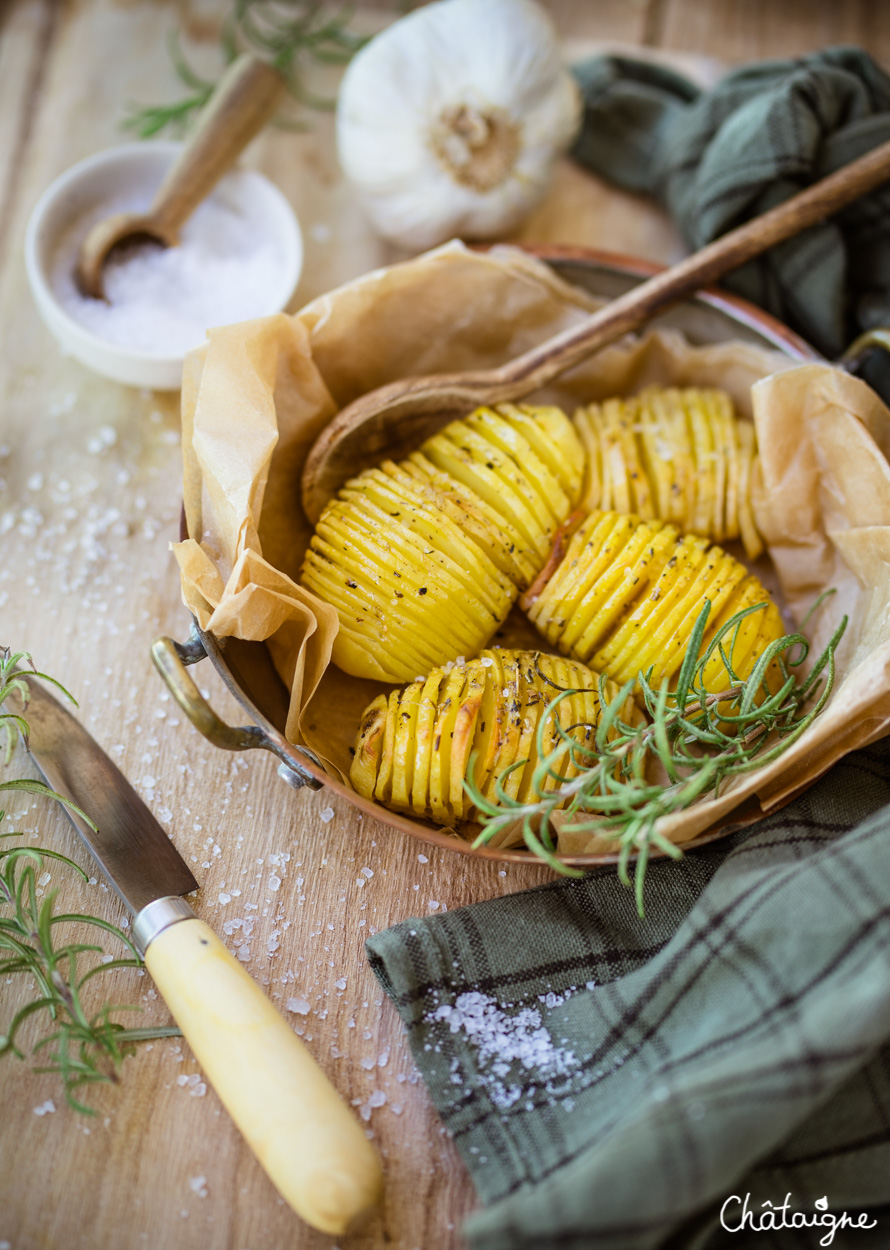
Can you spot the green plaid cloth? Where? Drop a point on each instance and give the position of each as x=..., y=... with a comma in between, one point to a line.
x=714, y=159
x=610, y=1081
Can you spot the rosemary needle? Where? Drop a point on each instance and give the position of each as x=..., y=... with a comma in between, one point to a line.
x=699, y=738
x=289, y=34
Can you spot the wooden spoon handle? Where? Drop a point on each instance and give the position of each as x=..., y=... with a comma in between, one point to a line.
x=241, y=105
x=543, y=363
x=405, y=412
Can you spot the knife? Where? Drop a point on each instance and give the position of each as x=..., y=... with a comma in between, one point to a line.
x=300, y=1129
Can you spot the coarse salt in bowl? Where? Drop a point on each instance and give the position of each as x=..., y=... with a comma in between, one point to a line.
x=240, y=257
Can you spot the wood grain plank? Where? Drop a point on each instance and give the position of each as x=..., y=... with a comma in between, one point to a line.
x=27, y=30
x=742, y=30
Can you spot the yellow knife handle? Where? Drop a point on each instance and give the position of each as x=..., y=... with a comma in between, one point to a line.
x=300, y=1129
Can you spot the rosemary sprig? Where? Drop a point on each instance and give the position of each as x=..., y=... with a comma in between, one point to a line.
x=291, y=34
x=697, y=739
x=85, y=1046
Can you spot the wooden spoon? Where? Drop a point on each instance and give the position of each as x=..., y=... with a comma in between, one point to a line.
x=385, y=421
x=242, y=103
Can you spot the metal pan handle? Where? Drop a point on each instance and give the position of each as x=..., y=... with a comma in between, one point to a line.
x=855, y=354
x=170, y=659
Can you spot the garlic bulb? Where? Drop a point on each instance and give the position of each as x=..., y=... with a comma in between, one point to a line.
x=449, y=121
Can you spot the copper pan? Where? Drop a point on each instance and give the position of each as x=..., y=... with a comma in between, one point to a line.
x=246, y=668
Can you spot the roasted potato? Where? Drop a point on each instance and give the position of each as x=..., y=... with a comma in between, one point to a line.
x=626, y=593
x=676, y=455
x=424, y=559
x=414, y=745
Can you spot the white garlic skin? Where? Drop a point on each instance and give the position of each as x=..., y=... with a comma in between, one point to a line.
x=415, y=101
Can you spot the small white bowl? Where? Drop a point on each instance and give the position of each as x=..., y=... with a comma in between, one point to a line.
x=138, y=168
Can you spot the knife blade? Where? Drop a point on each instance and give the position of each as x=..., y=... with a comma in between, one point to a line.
x=301, y=1130
x=131, y=848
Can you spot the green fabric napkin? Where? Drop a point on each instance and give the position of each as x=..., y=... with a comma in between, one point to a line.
x=714, y=159
x=610, y=1081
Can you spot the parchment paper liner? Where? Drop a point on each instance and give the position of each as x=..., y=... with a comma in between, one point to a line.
x=256, y=395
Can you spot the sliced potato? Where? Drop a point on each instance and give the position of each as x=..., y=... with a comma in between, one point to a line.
x=369, y=746
x=436, y=536
x=680, y=455
x=554, y=503
x=613, y=595
x=638, y=611
x=425, y=572
x=383, y=788
x=427, y=557
x=363, y=612
x=464, y=732
x=481, y=523
x=747, y=458
x=673, y=582
x=426, y=720
x=511, y=698
x=493, y=706
x=443, y=735
x=403, y=752
x=476, y=463
x=551, y=434
x=592, y=550
x=491, y=722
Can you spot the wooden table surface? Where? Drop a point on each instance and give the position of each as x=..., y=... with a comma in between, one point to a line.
x=89, y=499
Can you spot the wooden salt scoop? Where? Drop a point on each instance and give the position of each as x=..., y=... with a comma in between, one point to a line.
x=400, y=415
x=243, y=102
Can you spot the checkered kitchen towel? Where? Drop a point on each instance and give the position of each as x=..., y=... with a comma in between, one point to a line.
x=716, y=158
x=612, y=1082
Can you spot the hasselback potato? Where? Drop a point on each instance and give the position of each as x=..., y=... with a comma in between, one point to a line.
x=423, y=559
x=680, y=455
x=414, y=745
x=626, y=593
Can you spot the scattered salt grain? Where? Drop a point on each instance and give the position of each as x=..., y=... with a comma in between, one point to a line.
x=193, y=1084
x=45, y=1108
x=104, y=438
x=299, y=1006
x=513, y=1052
x=423, y=859
x=326, y=814
x=198, y=1185
x=340, y=984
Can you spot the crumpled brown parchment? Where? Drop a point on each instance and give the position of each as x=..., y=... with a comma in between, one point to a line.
x=256, y=395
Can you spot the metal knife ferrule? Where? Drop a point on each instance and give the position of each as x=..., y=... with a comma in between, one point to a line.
x=157, y=916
